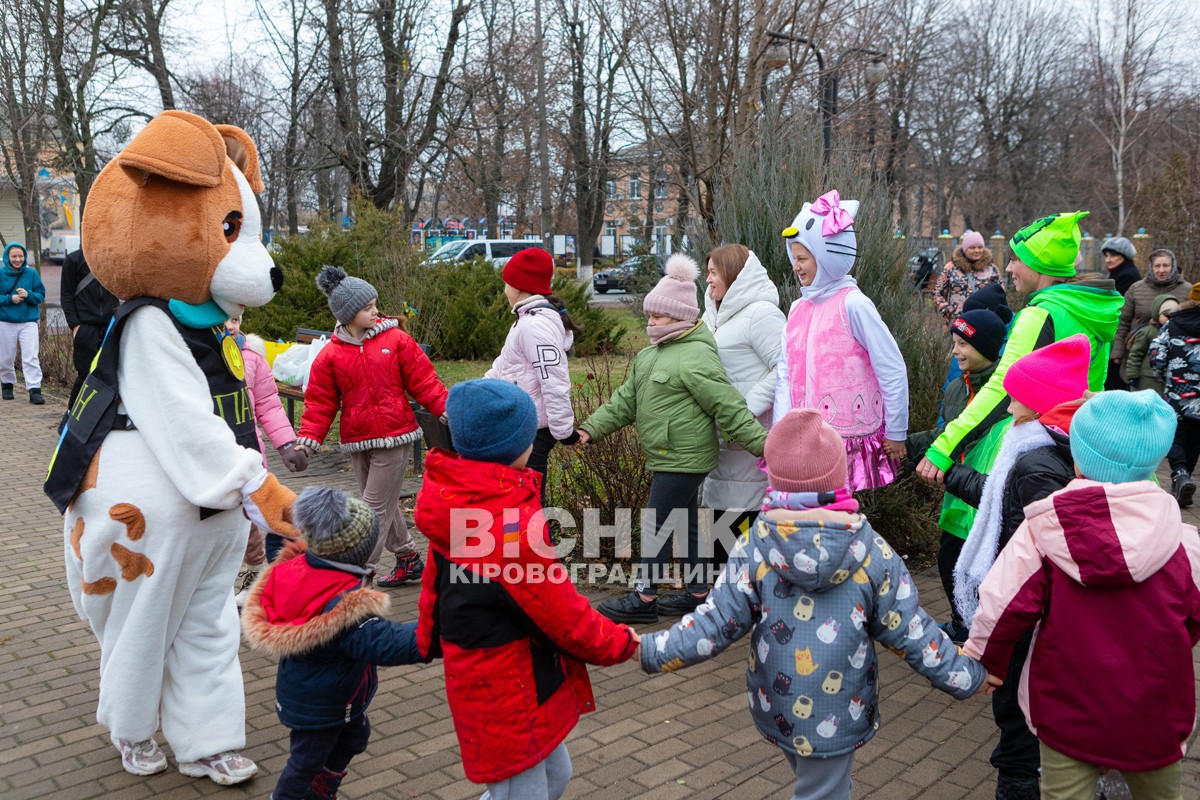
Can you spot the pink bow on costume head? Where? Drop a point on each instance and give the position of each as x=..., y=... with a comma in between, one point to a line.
x=837, y=219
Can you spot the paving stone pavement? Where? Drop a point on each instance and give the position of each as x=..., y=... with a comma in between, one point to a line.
x=686, y=735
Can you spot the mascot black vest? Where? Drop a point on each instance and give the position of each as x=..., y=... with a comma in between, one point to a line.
x=94, y=413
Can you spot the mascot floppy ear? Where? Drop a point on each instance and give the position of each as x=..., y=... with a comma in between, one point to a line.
x=241, y=151
x=179, y=147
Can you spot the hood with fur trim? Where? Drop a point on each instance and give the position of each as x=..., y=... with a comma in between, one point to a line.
x=288, y=612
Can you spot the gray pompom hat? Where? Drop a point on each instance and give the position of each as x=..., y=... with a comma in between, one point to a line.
x=346, y=294
x=336, y=527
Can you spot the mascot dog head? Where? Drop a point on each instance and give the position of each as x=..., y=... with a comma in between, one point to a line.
x=174, y=217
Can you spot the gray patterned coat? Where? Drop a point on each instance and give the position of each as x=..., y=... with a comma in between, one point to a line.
x=815, y=591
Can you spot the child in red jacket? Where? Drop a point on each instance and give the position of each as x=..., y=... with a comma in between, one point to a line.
x=365, y=371
x=498, y=606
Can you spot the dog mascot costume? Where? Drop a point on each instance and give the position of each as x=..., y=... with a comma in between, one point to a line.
x=159, y=457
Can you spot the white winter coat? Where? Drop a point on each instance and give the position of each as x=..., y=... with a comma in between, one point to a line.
x=534, y=357
x=748, y=328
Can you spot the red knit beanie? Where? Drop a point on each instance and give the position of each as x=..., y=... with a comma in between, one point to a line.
x=1052, y=375
x=804, y=454
x=530, y=270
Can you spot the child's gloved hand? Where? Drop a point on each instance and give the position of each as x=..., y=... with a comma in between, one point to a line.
x=294, y=458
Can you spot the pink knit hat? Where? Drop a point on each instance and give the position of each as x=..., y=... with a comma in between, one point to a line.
x=804, y=454
x=675, y=294
x=1052, y=375
x=972, y=239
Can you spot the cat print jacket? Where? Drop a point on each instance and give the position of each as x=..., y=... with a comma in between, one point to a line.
x=815, y=590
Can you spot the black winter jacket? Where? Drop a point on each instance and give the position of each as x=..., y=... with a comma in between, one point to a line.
x=1125, y=276
x=92, y=306
x=1036, y=474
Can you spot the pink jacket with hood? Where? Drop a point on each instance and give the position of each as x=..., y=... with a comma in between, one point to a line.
x=534, y=357
x=264, y=396
x=1110, y=577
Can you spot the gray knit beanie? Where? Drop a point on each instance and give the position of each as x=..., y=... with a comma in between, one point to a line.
x=336, y=527
x=347, y=295
x=1121, y=246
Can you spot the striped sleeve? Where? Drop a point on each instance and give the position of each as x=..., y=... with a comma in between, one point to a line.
x=1012, y=599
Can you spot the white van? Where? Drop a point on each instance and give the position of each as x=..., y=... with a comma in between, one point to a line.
x=61, y=244
x=498, y=251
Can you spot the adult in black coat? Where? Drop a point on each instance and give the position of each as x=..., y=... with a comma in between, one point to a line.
x=1118, y=255
x=1035, y=474
x=88, y=307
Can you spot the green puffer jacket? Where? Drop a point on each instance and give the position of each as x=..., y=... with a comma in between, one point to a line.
x=673, y=394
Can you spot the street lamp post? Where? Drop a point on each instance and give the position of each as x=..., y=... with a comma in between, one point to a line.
x=827, y=79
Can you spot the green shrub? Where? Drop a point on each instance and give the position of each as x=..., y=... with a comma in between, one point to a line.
x=602, y=331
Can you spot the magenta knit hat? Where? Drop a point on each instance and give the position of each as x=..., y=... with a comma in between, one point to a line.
x=805, y=454
x=675, y=294
x=1052, y=375
x=972, y=239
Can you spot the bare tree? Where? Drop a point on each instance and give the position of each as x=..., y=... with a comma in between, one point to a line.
x=1126, y=38
x=139, y=39
x=24, y=96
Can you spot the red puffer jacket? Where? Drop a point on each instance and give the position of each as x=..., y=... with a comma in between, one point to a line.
x=513, y=645
x=368, y=380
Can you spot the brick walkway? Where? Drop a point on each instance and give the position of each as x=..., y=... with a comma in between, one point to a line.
x=686, y=735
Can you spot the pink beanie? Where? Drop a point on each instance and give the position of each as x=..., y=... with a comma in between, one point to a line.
x=1052, y=375
x=972, y=239
x=675, y=294
x=805, y=454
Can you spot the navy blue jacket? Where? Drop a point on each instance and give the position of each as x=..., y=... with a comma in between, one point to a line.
x=328, y=630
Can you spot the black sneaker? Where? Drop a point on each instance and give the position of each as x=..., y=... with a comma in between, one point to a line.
x=408, y=568
x=1183, y=488
x=676, y=605
x=630, y=609
x=35, y=397
x=6, y=391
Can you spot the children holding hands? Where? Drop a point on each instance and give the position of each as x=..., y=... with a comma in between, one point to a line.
x=816, y=587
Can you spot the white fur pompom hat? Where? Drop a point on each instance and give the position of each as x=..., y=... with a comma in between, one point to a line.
x=675, y=294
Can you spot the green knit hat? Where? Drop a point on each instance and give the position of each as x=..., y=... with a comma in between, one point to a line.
x=335, y=526
x=1050, y=245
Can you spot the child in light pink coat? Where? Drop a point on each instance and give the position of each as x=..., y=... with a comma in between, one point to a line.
x=269, y=414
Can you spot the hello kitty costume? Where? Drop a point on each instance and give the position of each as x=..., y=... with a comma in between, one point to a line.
x=838, y=356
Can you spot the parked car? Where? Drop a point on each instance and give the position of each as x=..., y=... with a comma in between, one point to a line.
x=623, y=275
x=498, y=251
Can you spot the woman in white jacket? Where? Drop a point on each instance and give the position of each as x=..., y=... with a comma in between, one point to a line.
x=741, y=308
x=534, y=355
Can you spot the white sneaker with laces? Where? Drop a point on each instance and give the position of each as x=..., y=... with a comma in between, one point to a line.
x=225, y=768
x=245, y=579
x=141, y=758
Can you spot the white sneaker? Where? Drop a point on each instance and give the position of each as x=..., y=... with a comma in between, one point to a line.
x=225, y=768
x=141, y=758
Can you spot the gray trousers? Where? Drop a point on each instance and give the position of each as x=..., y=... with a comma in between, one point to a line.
x=821, y=778
x=380, y=475
x=546, y=780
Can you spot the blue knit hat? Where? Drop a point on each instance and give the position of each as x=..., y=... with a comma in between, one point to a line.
x=491, y=420
x=1118, y=437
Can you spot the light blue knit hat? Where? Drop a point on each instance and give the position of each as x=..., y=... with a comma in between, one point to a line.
x=1119, y=437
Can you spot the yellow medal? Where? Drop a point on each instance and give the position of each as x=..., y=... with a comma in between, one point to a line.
x=233, y=358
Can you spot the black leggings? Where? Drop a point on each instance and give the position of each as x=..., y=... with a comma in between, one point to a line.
x=1185, y=450
x=948, y=551
x=539, y=459
x=670, y=491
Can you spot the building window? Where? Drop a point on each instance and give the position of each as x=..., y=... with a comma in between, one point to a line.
x=635, y=186
x=610, y=227
x=610, y=188
x=660, y=185
x=660, y=232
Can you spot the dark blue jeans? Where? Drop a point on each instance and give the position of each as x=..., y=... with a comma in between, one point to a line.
x=314, y=751
x=274, y=543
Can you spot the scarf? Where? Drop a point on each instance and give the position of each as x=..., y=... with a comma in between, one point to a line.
x=661, y=334
x=980, y=550
x=840, y=500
